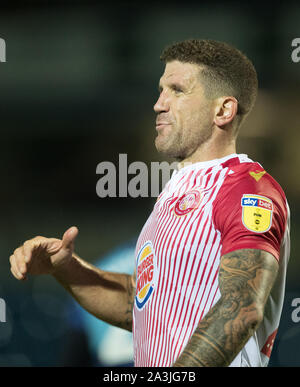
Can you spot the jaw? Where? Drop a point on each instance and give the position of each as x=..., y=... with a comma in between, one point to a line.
x=169, y=142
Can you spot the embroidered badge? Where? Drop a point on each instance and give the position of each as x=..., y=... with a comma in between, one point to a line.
x=257, y=212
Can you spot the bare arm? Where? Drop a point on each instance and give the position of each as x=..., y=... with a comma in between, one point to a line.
x=108, y=296
x=246, y=278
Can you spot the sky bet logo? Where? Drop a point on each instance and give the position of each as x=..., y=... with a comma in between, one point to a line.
x=2, y=50
x=256, y=202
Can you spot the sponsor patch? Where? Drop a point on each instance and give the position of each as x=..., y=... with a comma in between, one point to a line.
x=257, y=212
x=145, y=275
x=187, y=202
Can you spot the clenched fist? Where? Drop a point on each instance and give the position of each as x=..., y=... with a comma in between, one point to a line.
x=42, y=255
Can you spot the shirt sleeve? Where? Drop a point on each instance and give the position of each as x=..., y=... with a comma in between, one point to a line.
x=251, y=214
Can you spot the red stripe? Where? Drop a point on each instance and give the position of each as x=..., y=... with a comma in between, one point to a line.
x=183, y=297
x=175, y=350
x=175, y=314
x=167, y=285
x=159, y=247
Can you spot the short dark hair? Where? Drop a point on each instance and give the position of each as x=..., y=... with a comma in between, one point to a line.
x=225, y=69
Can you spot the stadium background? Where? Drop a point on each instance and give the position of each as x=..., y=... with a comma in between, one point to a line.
x=78, y=88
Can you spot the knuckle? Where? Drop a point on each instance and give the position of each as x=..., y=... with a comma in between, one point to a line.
x=34, y=242
x=13, y=273
x=28, y=246
x=17, y=250
x=38, y=237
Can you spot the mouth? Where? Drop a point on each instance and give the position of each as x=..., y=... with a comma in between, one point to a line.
x=160, y=125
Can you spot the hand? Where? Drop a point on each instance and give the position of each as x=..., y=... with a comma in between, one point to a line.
x=42, y=255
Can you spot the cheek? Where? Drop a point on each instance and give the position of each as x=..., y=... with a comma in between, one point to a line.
x=182, y=113
x=190, y=115
x=188, y=118
x=200, y=116
x=196, y=124
x=188, y=109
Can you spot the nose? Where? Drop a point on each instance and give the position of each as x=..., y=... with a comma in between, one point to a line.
x=162, y=104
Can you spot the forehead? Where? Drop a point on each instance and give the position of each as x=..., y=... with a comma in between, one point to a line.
x=185, y=73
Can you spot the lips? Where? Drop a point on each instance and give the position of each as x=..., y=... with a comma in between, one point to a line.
x=160, y=124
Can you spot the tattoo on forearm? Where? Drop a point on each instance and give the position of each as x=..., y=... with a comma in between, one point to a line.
x=245, y=281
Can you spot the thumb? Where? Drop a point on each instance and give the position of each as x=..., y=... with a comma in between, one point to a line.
x=69, y=238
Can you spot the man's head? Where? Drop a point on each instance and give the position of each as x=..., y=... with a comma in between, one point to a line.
x=208, y=87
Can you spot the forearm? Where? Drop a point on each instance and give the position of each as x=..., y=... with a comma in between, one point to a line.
x=108, y=296
x=220, y=336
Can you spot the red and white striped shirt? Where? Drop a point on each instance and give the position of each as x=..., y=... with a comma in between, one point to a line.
x=206, y=210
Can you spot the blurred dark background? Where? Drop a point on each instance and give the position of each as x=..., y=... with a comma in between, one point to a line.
x=78, y=88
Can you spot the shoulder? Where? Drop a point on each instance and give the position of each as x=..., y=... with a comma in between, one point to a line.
x=251, y=178
x=250, y=210
x=247, y=190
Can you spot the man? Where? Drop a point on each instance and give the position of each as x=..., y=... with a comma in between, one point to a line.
x=211, y=259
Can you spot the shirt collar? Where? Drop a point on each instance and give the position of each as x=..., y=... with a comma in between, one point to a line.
x=211, y=163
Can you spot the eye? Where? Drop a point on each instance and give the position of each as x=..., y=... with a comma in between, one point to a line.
x=177, y=89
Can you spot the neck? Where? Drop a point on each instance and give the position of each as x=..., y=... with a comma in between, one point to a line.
x=216, y=147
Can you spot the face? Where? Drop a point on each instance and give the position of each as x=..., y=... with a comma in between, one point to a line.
x=184, y=116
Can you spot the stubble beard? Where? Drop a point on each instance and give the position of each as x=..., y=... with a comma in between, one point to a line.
x=170, y=145
x=179, y=148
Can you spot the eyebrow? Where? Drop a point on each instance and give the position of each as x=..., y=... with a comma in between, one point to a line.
x=172, y=85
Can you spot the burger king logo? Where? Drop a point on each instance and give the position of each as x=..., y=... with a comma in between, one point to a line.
x=187, y=203
x=145, y=275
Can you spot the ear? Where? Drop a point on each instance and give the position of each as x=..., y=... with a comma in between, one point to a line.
x=226, y=110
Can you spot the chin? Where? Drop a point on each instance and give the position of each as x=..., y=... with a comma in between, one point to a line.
x=167, y=151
